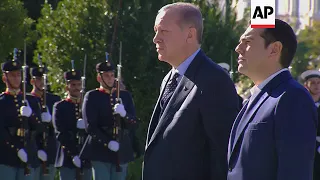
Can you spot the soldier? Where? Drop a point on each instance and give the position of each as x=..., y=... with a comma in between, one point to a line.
x=226, y=67
x=48, y=141
x=99, y=110
x=311, y=80
x=68, y=124
x=19, y=123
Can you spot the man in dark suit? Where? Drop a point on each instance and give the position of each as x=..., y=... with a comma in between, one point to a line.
x=189, y=128
x=274, y=135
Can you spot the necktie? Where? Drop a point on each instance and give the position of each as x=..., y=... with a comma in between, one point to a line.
x=168, y=91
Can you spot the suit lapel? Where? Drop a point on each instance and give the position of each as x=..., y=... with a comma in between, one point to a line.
x=155, y=115
x=234, y=127
x=256, y=103
x=174, y=104
x=183, y=89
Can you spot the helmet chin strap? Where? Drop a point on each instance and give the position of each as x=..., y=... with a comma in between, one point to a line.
x=107, y=87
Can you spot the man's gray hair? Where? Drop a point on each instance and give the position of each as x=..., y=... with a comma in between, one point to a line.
x=190, y=15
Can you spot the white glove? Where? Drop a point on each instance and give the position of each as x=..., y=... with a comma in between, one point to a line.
x=76, y=161
x=113, y=146
x=25, y=111
x=23, y=155
x=42, y=155
x=45, y=117
x=119, y=109
x=80, y=124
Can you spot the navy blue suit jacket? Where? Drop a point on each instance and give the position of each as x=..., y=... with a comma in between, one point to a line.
x=274, y=137
x=189, y=141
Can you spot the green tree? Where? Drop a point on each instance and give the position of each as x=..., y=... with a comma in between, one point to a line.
x=74, y=29
x=307, y=55
x=14, y=27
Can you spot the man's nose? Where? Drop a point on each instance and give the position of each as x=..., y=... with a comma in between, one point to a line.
x=156, y=38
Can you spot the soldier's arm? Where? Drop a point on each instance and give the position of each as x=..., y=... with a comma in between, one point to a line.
x=130, y=120
x=36, y=126
x=64, y=135
x=90, y=117
x=35, y=118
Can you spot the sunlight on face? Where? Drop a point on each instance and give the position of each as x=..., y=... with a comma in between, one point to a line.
x=169, y=38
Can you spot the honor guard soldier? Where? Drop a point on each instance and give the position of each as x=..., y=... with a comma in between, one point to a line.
x=48, y=141
x=100, y=109
x=311, y=80
x=19, y=123
x=70, y=128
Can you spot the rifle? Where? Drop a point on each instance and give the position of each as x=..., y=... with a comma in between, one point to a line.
x=24, y=125
x=117, y=123
x=44, y=109
x=81, y=133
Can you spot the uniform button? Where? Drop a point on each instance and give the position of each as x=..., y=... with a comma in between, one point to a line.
x=230, y=169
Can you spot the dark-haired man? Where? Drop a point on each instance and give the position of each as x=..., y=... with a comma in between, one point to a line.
x=274, y=135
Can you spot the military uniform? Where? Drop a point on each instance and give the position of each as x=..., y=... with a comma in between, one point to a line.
x=49, y=144
x=99, y=111
x=316, y=171
x=18, y=150
x=66, y=115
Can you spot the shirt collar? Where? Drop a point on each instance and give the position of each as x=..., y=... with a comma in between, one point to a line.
x=257, y=89
x=182, y=68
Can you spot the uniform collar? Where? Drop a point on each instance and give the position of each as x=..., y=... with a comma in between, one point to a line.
x=37, y=94
x=107, y=91
x=13, y=92
x=73, y=99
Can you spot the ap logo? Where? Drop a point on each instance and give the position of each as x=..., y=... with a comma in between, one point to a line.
x=263, y=13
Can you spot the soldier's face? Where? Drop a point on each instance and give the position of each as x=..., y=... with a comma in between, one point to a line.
x=38, y=82
x=12, y=79
x=107, y=78
x=313, y=85
x=74, y=88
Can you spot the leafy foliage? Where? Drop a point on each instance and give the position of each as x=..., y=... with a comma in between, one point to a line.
x=14, y=27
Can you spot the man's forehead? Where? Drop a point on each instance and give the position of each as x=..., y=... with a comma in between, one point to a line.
x=165, y=17
x=251, y=33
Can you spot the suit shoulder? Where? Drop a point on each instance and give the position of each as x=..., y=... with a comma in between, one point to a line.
x=293, y=91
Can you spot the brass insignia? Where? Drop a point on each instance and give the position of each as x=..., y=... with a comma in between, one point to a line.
x=73, y=73
x=14, y=63
x=108, y=64
x=40, y=69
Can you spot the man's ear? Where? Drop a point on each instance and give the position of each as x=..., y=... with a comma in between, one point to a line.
x=66, y=87
x=4, y=78
x=32, y=81
x=99, y=78
x=275, y=49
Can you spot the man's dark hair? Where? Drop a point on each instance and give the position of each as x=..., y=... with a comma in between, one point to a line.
x=284, y=34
